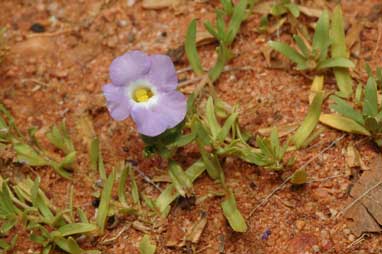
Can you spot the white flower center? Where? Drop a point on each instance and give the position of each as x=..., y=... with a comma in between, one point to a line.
x=142, y=93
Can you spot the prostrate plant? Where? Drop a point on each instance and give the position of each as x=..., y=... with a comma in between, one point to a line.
x=271, y=153
x=31, y=152
x=26, y=204
x=283, y=10
x=224, y=33
x=365, y=121
x=314, y=56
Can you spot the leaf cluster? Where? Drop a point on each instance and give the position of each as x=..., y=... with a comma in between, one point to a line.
x=366, y=120
x=30, y=152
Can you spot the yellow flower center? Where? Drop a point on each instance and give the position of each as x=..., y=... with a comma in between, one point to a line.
x=142, y=94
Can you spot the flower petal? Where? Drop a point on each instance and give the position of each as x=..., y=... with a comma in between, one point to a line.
x=168, y=112
x=129, y=67
x=162, y=73
x=117, y=103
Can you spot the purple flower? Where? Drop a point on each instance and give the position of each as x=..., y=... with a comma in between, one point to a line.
x=145, y=87
x=266, y=234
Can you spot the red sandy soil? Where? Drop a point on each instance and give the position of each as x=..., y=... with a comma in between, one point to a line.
x=59, y=74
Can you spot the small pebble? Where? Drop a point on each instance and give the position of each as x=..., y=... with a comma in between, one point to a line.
x=316, y=249
x=37, y=28
x=95, y=202
x=300, y=224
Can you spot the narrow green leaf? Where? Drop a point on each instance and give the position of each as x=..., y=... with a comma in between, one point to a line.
x=191, y=50
x=346, y=109
x=94, y=152
x=223, y=133
x=293, y=8
x=146, y=247
x=224, y=55
x=233, y=215
x=134, y=187
x=302, y=46
x=338, y=34
x=228, y=7
x=68, y=160
x=335, y=62
x=179, y=178
x=77, y=228
x=238, y=17
x=289, y=52
x=343, y=123
x=170, y=193
x=310, y=121
x=122, y=185
x=103, y=208
x=82, y=216
x=358, y=94
x=69, y=245
x=370, y=103
x=213, y=123
x=344, y=81
x=209, y=27
x=321, y=35
x=28, y=155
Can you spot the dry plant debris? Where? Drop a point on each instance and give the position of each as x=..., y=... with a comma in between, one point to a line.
x=365, y=211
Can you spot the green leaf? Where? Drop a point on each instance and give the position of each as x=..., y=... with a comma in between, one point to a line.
x=233, y=215
x=228, y=125
x=344, y=82
x=183, y=140
x=134, y=187
x=228, y=6
x=59, y=137
x=28, y=155
x=346, y=110
x=321, y=35
x=370, y=103
x=213, y=123
x=302, y=46
x=146, y=247
x=289, y=52
x=293, y=8
x=224, y=55
x=343, y=123
x=122, y=184
x=238, y=17
x=358, y=94
x=209, y=27
x=191, y=50
x=179, y=178
x=309, y=122
x=6, y=201
x=68, y=161
x=103, y=208
x=77, y=228
x=96, y=160
x=170, y=194
x=299, y=177
x=343, y=78
x=338, y=34
x=82, y=216
x=69, y=245
x=335, y=62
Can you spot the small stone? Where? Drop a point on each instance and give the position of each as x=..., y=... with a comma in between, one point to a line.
x=37, y=28
x=346, y=231
x=300, y=224
x=131, y=37
x=316, y=249
x=351, y=238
